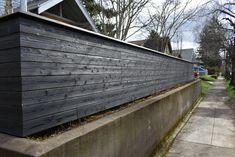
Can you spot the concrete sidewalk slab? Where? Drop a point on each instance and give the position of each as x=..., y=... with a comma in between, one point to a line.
x=190, y=149
x=210, y=131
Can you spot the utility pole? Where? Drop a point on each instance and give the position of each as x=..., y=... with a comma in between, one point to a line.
x=8, y=7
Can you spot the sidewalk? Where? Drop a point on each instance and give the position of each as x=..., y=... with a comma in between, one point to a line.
x=210, y=132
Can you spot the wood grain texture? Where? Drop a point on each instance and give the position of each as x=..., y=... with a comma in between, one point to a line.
x=64, y=74
x=10, y=81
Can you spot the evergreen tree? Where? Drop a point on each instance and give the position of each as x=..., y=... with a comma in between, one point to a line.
x=211, y=41
x=116, y=17
x=102, y=16
x=156, y=42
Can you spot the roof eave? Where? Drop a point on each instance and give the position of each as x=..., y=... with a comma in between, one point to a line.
x=49, y=4
x=86, y=14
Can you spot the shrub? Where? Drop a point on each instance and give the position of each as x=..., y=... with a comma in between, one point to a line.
x=207, y=78
x=214, y=76
x=213, y=70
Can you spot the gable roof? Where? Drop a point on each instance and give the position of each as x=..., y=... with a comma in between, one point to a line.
x=167, y=48
x=138, y=42
x=73, y=8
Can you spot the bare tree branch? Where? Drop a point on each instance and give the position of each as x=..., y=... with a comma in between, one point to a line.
x=225, y=12
x=171, y=15
x=231, y=22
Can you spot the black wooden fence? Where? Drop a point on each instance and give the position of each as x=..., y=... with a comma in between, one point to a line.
x=51, y=73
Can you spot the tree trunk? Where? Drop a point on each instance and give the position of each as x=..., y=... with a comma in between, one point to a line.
x=233, y=65
x=8, y=7
x=226, y=72
x=227, y=65
x=233, y=73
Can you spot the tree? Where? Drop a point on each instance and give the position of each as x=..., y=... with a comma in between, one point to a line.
x=102, y=16
x=212, y=40
x=127, y=13
x=8, y=7
x=229, y=59
x=170, y=16
x=155, y=42
x=116, y=17
x=228, y=10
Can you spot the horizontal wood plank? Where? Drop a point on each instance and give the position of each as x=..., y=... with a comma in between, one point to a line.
x=9, y=27
x=51, y=74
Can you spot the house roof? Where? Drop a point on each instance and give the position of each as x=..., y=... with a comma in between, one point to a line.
x=186, y=54
x=142, y=43
x=138, y=42
x=73, y=8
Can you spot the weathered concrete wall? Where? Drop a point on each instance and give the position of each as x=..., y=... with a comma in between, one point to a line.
x=132, y=132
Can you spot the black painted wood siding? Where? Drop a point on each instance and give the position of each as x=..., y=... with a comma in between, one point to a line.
x=10, y=80
x=54, y=74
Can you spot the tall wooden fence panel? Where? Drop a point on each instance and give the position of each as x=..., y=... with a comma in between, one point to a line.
x=52, y=73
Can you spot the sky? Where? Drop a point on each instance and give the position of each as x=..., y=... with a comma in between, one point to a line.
x=189, y=31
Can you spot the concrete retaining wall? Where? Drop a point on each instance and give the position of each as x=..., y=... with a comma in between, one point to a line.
x=132, y=132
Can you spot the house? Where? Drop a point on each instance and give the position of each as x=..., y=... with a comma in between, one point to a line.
x=189, y=55
x=200, y=70
x=68, y=11
x=186, y=54
x=138, y=42
x=153, y=45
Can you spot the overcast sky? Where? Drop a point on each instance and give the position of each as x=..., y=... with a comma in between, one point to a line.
x=188, y=31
